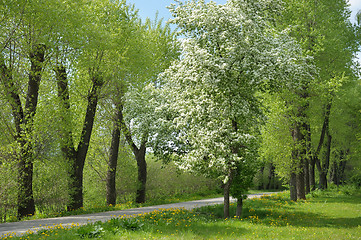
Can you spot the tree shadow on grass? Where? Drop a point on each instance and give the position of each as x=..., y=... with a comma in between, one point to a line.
x=339, y=199
x=304, y=219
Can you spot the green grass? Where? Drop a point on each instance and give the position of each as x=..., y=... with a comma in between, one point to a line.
x=329, y=214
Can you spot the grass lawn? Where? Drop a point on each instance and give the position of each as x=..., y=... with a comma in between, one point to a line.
x=329, y=214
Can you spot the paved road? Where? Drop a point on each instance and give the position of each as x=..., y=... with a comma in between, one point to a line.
x=20, y=228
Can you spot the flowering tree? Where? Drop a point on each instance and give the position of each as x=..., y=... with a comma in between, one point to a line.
x=231, y=52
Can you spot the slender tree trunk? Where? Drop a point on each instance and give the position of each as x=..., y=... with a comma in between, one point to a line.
x=239, y=208
x=307, y=176
x=312, y=174
x=323, y=168
x=76, y=194
x=334, y=173
x=76, y=157
x=307, y=129
x=226, y=198
x=293, y=189
x=139, y=154
x=142, y=175
x=271, y=173
x=260, y=184
x=342, y=169
x=298, y=158
x=113, y=161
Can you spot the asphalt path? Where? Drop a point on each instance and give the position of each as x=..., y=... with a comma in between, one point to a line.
x=19, y=228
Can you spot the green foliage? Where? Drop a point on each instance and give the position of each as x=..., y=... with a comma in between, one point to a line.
x=90, y=231
x=356, y=180
x=131, y=224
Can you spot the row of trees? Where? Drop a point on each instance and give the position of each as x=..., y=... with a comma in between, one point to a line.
x=58, y=61
x=322, y=115
x=244, y=76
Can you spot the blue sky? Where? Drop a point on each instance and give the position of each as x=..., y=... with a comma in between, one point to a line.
x=148, y=8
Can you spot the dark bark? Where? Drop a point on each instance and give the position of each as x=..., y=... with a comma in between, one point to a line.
x=239, y=208
x=76, y=193
x=298, y=159
x=337, y=174
x=226, y=198
x=293, y=189
x=142, y=175
x=23, y=120
x=307, y=157
x=323, y=167
x=312, y=174
x=334, y=173
x=342, y=171
x=326, y=163
x=260, y=184
x=113, y=161
x=300, y=184
x=25, y=196
x=271, y=176
x=76, y=157
x=306, y=170
x=139, y=154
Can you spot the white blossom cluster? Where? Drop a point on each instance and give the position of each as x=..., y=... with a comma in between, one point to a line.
x=230, y=53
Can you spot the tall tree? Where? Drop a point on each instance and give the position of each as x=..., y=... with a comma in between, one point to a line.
x=231, y=53
x=106, y=25
x=135, y=101
x=26, y=34
x=324, y=30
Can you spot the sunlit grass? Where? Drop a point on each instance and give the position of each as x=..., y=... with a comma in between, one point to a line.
x=325, y=215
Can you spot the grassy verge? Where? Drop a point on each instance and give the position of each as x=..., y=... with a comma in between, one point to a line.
x=325, y=215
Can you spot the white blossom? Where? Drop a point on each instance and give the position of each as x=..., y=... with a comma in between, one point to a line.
x=230, y=53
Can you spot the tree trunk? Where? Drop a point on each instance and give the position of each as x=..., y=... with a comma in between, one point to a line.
x=312, y=174
x=139, y=154
x=293, y=189
x=226, y=199
x=271, y=174
x=113, y=161
x=307, y=128
x=75, y=185
x=300, y=184
x=334, y=173
x=26, y=204
x=298, y=156
x=323, y=168
x=323, y=180
x=342, y=168
x=260, y=184
x=307, y=176
x=76, y=157
x=142, y=174
x=23, y=120
x=76, y=194
x=239, y=208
